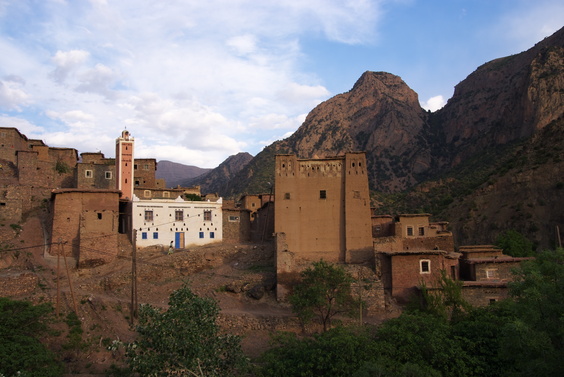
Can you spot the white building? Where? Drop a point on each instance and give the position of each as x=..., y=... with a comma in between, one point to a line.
x=184, y=223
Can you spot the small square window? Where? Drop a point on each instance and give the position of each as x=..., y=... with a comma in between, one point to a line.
x=207, y=215
x=201, y=234
x=148, y=215
x=425, y=266
x=287, y=196
x=421, y=231
x=155, y=235
x=179, y=215
x=212, y=234
x=322, y=194
x=108, y=175
x=88, y=173
x=144, y=235
x=491, y=273
x=410, y=231
x=147, y=193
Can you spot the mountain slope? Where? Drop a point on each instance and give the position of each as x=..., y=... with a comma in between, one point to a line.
x=175, y=173
x=502, y=102
x=217, y=179
x=505, y=100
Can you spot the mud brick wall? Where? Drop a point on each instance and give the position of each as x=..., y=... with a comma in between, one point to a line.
x=483, y=295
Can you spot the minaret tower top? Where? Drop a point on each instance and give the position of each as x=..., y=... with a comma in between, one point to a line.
x=124, y=164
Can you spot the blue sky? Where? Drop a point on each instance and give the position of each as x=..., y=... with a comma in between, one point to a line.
x=197, y=81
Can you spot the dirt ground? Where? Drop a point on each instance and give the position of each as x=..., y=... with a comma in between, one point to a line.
x=240, y=277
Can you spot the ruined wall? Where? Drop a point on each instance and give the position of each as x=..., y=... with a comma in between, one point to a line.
x=11, y=141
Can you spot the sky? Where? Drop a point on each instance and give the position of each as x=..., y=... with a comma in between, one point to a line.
x=195, y=81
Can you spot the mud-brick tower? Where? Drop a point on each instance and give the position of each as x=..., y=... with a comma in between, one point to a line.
x=124, y=165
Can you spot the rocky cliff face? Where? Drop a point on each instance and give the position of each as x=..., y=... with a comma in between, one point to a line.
x=504, y=100
x=380, y=115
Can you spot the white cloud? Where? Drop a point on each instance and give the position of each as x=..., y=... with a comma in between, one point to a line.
x=190, y=80
x=23, y=125
x=243, y=44
x=66, y=62
x=12, y=95
x=434, y=103
x=77, y=121
x=98, y=80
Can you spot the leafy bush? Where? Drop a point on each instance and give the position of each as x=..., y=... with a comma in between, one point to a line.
x=21, y=353
x=184, y=340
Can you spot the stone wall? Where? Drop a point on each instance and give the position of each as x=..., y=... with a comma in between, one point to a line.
x=236, y=225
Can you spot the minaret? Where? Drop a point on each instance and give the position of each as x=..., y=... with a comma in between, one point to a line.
x=124, y=165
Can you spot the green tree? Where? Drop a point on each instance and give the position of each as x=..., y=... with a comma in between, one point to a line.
x=21, y=352
x=533, y=342
x=515, y=244
x=425, y=340
x=445, y=301
x=184, y=340
x=324, y=292
x=336, y=352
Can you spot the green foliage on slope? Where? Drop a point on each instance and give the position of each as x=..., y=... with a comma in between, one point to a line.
x=184, y=340
x=21, y=352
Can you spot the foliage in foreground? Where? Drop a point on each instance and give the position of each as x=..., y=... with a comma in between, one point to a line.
x=324, y=292
x=521, y=336
x=184, y=340
x=21, y=352
x=515, y=244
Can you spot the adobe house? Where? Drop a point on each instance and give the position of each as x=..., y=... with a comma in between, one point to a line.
x=96, y=171
x=322, y=211
x=409, y=269
x=410, y=250
x=486, y=272
x=255, y=202
x=85, y=221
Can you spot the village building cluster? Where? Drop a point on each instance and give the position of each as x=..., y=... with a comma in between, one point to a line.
x=317, y=209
